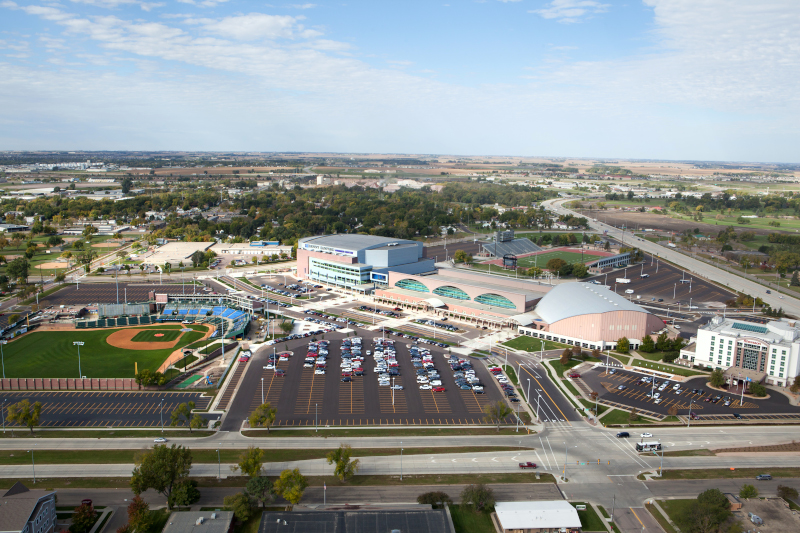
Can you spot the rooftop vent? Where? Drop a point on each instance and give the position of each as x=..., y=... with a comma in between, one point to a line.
x=199, y=521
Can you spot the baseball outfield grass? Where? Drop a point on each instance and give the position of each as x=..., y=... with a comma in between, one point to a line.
x=51, y=354
x=541, y=260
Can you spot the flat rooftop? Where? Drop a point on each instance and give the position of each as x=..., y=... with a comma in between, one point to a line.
x=353, y=241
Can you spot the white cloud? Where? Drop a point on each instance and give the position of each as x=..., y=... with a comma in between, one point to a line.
x=203, y=3
x=569, y=11
x=303, y=6
x=113, y=4
x=258, y=26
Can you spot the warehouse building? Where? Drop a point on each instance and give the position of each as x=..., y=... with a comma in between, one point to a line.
x=590, y=316
x=358, y=261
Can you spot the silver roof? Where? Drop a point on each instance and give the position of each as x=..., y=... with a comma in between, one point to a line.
x=573, y=299
x=352, y=241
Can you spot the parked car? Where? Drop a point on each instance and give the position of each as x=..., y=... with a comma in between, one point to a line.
x=574, y=375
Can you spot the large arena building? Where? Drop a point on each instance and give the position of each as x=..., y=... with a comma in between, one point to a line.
x=358, y=261
x=590, y=316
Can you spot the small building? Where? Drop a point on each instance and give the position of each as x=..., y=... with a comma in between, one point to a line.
x=27, y=511
x=537, y=517
x=200, y=522
x=13, y=228
x=248, y=248
x=359, y=521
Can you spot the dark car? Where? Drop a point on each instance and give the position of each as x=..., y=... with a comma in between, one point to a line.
x=737, y=416
x=347, y=379
x=763, y=477
x=623, y=435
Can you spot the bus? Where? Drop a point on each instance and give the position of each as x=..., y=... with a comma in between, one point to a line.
x=648, y=446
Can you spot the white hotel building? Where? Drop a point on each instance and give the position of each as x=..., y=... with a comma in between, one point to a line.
x=772, y=349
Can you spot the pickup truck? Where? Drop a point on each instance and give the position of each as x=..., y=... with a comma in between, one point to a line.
x=527, y=465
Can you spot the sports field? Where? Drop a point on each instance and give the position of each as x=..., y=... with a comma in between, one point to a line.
x=51, y=354
x=541, y=260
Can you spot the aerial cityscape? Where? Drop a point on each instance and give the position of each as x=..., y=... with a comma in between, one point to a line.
x=296, y=237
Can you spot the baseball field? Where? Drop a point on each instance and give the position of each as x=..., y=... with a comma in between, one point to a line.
x=106, y=353
x=541, y=259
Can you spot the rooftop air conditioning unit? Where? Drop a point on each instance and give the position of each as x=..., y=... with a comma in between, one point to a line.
x=199, y=521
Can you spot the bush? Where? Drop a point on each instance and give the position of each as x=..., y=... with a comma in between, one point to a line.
x=787, y=493
x=479, y=496
x=758, y=390
x=748, y=491
x=436, y=499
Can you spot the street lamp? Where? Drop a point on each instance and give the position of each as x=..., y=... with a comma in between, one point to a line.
x=78, y=344
x=162, y=415
x=566, y=459
x=3, y=358
x=262, y=391
x=401, y=460
x=219, y=466
x=33, y=465
x=3, y=411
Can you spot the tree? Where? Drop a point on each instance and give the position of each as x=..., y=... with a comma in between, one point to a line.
x=260, y=489
x=663, y=343
x=566, y=355
x=579, y=270
x=161, y=469
x=13, y=317
x=83, y=518
x=647, y=346
x=496, y=412
x=18, y=269
x=147, y=377
x=182, y=414
x=576, y=351
x=127, y=184
x=263, y=416
x=795, y=281
x=555, y=264
x=240, y=504
x=479, y=496
x=717, y=378
x=345, y=467
x=185, y=493
x=25, y=414
x=286, y=327
x=787, y=493
x=460, y=256
x=197, y=422
x=748, y=491
x=291, y=485
x=795, y=388
x=436, y=499
x=634, y=416
x=757, y=389
x=139, y=518
x=673, y=410
x=250, y=462
x=623, y=345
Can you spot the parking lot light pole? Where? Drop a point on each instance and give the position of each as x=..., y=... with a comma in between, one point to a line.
x=262, y=391
x=162, y=414
x=219, y=466
x=401, y=460
x=76, y=343
x=316, y=417
x=3, y=412
x=33, y=465
x=3, y=358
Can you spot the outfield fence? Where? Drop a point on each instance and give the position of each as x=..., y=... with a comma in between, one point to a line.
x=112, y=384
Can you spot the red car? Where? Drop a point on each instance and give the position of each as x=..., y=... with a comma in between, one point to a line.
x=397, y=309
x=574, y=375
x=527, y=465
x=346, y=373
x=438, y=389
x=244, y=359
x=280, y=373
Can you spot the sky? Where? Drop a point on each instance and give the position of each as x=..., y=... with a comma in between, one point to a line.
x=712, y=80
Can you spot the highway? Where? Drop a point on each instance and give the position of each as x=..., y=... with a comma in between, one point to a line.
x=695, y=266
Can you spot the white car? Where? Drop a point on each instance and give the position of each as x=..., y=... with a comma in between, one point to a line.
x=425, y=386
x=397, y=387
x=159, y=440
x=436, y=383
x=383, y=383
x=657, y=395
x=646, y=435
x=270, y=366
x=319, y=372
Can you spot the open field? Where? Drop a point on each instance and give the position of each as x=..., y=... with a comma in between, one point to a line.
x=529, y=344
x=51, y=354
x=541, y=259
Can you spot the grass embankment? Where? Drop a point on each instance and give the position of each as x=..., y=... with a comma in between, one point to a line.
x=53, y=457
x=51, y=354
x=530, y=344
x=600, y=407
x=380, y=432
x=102, y=434
x=314, y=481
x=660, y=518
x=512, y=375
x=614, y=527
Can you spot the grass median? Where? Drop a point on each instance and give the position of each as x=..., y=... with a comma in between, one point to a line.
x=725, y=473
x=382, y=432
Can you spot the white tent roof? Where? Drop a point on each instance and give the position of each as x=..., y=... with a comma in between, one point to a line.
x=523, y=320
x=435, y=302
x=537, y=515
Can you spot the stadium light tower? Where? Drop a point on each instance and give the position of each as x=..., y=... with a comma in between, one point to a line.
x=78, y=344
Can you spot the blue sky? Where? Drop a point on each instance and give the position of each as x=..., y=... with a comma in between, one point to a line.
x=660, y=79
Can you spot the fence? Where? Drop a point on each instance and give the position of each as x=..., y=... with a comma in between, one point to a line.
x=123, y=309
x=112, y=384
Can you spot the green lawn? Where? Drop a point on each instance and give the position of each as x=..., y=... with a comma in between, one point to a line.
x=726, y=473
x=675, y=508
x=681, y=371
x=662, y=521
x=51, y=354
x=600, y=407
x=623, y=417
x=512, y=375
x=466, y=520
x=530, y=344
x=589, y=519
x=541, y=259
x=154, y=335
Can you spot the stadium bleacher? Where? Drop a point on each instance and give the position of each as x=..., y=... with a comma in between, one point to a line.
x=516, y=247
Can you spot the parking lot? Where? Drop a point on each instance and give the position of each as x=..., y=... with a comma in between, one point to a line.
x=302, y=396
x=104, y=408
x=635, y=394
x=664, y=284
x=106, y=293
